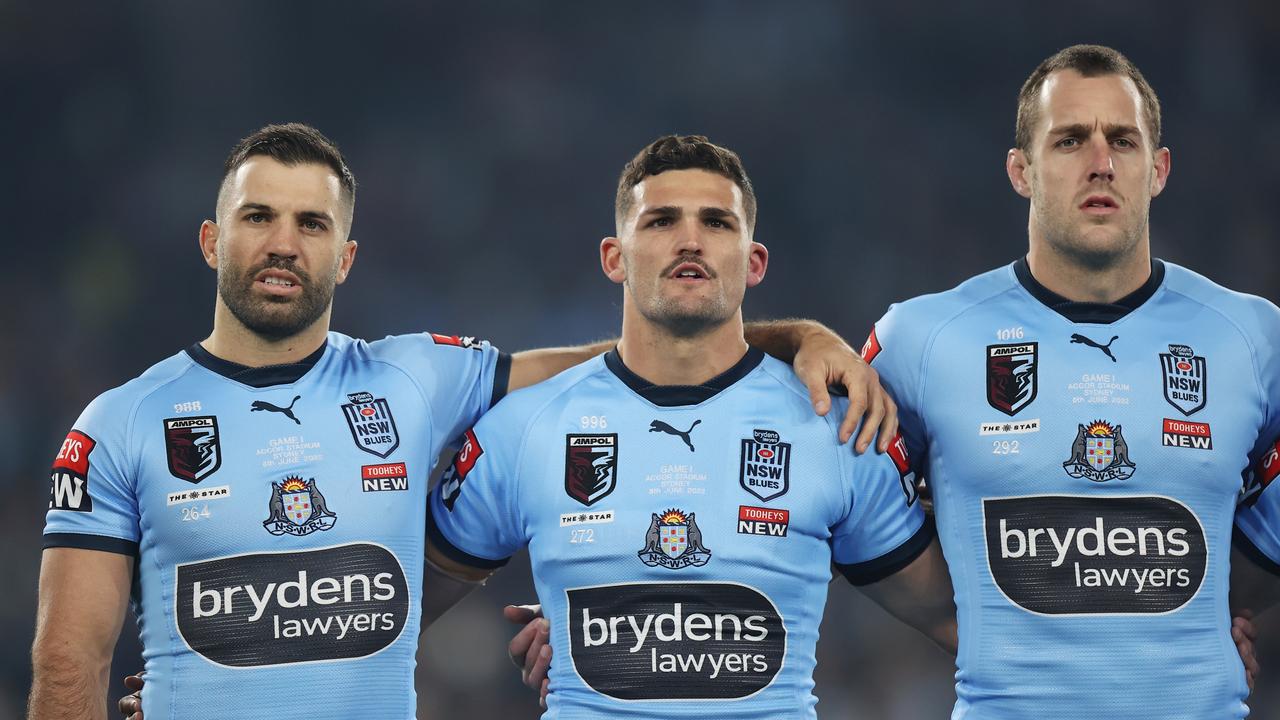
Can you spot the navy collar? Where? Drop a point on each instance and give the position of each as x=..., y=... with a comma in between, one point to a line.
x=258, y=377
x=1087, y=312
x=676, y=395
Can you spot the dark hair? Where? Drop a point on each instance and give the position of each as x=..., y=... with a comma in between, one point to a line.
x=1089, y=61
x=684, y=152
x=293, y=144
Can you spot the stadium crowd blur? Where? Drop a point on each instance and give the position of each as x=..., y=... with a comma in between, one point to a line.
x=487, y=138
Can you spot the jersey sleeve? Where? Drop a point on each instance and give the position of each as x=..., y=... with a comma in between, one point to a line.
x=885, y=527
x=472, y=514
x=92, y=501
x=895, y=349
x=1258, y=515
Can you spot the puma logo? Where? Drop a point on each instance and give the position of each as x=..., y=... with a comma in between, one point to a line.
x=659, y=426
x=1082, y=340
x=286, y=411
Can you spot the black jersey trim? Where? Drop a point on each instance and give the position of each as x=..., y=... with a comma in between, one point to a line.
x=1241, y=542
x=877, y=569
x=501, y=378
x=453, y=552
x=1086, y=312
x=91, y=542
x=258, y=377
x=676, y=395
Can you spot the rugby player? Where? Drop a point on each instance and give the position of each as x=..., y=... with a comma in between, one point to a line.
x=260, y=494
x=681, y=506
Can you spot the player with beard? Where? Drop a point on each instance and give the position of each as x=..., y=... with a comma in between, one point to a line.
x=681, y=506
x=1087, y=419
x=260, y=494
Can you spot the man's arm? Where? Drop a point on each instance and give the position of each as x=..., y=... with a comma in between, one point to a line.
x=920, y=595
x=821, y=359
x=83, y=596
x=446, y=583
x=1254, y=589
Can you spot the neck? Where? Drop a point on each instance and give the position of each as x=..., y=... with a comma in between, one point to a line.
x=1081, y=282
x=656, y=355
x=231, y=340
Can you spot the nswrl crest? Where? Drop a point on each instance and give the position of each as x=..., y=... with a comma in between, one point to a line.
x=1185, y=377
x=674, y=541
x=1099, y=453
x=297, y=508
x=372, y=427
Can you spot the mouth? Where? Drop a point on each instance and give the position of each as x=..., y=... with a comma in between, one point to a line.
x=690, y=272
x=278, y=283
x=1099, y=205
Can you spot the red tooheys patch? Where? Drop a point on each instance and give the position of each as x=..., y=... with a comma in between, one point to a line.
x=898, y=453
x=871, y=348
x=454, y=475
x=463, y=341
x=69, y=480
x=1269, y=465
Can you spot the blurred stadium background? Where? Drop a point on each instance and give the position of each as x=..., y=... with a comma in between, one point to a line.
x=487, y=138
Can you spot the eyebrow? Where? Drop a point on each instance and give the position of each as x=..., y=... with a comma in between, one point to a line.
x=1081, y=130
x=704, y=213
x=304, y=215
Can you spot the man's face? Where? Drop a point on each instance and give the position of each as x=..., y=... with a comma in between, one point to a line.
x=280, y=245
x=1092, y=167
x=685, y=252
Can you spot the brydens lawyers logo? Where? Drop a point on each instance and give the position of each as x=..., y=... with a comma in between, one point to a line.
x=297, y=508
x=454, y=475
x=1011, y=376
x=1186, y=378
x=765, y=470
x=1099, y=453
x=69, y=481
x=192, y=447
x=372, y=427
x=590, y=466
x=674, y=541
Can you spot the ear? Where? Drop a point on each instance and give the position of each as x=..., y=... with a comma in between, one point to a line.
x=209, y=243
x=1016, y=166
x=346, y=259
x=757, y=264
x=1163, y=164
x=611, y=260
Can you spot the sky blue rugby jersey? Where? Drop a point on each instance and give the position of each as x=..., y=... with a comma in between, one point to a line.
x=1086, y=462
x=681, y=537
x=276, y=515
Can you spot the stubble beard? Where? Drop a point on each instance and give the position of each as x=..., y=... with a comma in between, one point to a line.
x=684, y=322
x=274, y=318
x=1065, y=237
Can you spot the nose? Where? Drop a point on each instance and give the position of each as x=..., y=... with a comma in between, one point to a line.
x=283, y=241
x=688, y=238
x=1101, y=166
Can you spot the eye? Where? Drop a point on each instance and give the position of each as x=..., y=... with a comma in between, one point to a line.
x=1125, y=143
x=256, y=218
x=1068, y=142
x=313, y=225
x=717, y=223
x=660, y=221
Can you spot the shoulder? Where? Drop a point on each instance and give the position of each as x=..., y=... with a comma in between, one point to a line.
x=1257, y=318
x=527, y=403
x=123, y=399
x=937, y=309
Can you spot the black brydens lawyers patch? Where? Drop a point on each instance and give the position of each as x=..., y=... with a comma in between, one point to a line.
x=192, y=446
x=675, y=641
x=1185, y=378
x=673, y=541
x=765, y=470
x=590, y=466
x=1011, y=376
x=1099, y=453
x=297, y=508
x=292, y=607
x=69, y=480
x=371, y=424
x=1080, y=555
x=454, y=475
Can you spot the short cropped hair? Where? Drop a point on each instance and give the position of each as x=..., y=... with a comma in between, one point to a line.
x=293, y=144
x=683, y=152
x=1090, y=61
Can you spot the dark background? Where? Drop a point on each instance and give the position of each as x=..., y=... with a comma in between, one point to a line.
x=487, y=138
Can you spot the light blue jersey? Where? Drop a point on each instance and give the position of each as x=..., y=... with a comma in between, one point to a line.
x=1086, y=462
x=681, y=537
x=276, y=516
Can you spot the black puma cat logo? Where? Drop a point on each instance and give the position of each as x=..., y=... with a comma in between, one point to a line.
x=659, y=426
x=1078, y=338
x=287, y=411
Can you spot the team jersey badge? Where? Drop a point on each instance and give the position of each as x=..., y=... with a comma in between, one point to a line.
x=69, y=480
x=456, y=474
x=674, y=541
x=372, y=427
x=1261, y=474
x=1099, y=453
x=1011, y=376
x=590, y=466
x=192, y=447
x=1185, y=379
x=765, y=469
x=297, y=508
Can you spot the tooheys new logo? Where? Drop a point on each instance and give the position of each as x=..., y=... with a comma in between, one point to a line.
x=1077, y=555
x=279, y=608
x=675, y=641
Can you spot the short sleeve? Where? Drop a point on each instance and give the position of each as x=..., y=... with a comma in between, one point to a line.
x=472, y=514
x=1258, y=514
x=885, y=528
x=895, y=349
x=92, y=502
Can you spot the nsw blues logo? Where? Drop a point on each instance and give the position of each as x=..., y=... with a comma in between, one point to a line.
x=674, y=541
x=297, y=508
x=1185, y=378
x=371, y=424
x=1099, y=453
x=765, y=469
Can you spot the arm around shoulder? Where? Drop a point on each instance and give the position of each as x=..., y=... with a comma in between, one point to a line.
x=921, y=596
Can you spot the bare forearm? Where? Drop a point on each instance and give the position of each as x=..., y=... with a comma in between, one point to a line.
x=66, y=686
x=529, y=367
x=1253, y=588
x=782, y=338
